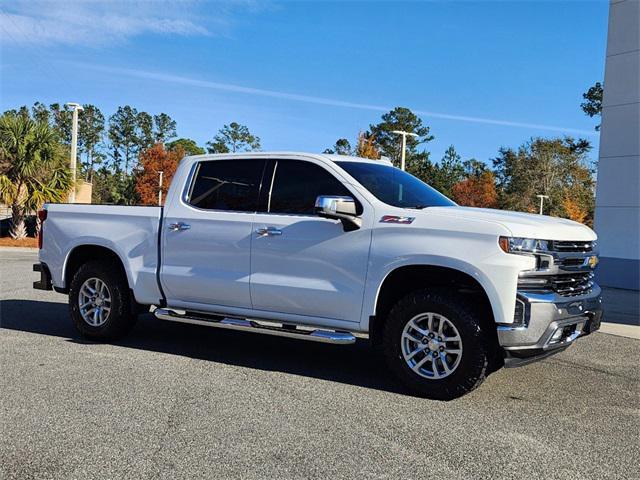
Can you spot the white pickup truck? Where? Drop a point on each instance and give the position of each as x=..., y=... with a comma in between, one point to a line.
x=324, y=248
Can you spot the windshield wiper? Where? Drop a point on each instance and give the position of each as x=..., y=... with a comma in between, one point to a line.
x=418, y=207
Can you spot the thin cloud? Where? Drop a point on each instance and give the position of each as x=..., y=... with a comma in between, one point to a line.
x=227, y=87
x=86, y=22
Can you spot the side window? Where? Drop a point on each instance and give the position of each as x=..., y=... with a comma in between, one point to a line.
x=227, y=185
x=297, y=184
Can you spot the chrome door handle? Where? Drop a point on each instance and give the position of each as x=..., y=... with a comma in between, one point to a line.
x=180, y=226
x=268, y=231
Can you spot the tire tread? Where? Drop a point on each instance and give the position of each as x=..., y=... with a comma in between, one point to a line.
x=121, y=318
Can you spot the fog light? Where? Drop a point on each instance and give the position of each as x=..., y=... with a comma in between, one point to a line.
x=557, y=335
x=519, y=313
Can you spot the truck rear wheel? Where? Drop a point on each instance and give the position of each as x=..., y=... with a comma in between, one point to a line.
x=100, y=302
x=435, y=344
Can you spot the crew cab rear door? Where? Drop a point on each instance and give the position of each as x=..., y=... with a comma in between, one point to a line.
x=303, y=264
x=206, y=236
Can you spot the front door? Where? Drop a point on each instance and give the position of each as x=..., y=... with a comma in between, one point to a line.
x=206, y=236
x=303, y=264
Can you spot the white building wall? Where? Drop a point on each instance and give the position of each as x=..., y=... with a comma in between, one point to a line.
x=617, y=216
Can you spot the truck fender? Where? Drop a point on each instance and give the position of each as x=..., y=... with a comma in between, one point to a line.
x=374, y=285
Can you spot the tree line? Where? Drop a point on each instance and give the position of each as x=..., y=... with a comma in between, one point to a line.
x=556, y=167
x=110, y=149
x=123, y=154
x=120, y=155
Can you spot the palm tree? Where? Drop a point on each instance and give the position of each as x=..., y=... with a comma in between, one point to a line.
x=32, y=168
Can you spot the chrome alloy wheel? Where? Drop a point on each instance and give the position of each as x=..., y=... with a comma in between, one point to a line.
x=95, y=302
x=431, y=345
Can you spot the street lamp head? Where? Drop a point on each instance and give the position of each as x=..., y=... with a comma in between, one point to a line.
x=402, y=132
x=75, y=106
x=404, y=145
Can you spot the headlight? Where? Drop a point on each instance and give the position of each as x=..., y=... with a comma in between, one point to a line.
x=528, y=246
x=523, y=245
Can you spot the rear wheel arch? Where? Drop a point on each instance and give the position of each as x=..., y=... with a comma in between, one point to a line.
x=82, y=254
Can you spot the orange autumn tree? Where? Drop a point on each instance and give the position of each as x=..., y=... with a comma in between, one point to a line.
x=366, y=147
x=575, y=211
x=154, y=160
x=476, y=191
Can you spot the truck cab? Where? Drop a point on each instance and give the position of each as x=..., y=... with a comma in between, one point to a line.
x=326, y=248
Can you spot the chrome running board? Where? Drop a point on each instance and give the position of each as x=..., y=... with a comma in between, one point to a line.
x=322, y=336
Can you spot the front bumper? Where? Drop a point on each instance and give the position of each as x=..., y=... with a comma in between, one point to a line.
x=553, y=323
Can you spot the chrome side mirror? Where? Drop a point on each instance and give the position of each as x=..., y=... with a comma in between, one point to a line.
x=339, y=208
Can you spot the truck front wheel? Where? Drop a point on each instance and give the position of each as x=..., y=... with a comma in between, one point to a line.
x=99, y=301
x=435, y=344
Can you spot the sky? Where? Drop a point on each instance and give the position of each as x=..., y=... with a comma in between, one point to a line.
x=301, y=74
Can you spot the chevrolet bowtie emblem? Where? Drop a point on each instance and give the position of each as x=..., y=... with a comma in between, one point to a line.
x=593, y=261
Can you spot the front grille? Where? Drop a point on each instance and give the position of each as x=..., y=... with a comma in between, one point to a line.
x=568, y=285
x=573, y=284
x=570, y=246
x=570, y=261
x=568, y=270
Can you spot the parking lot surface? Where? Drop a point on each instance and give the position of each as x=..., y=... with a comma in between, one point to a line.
x=180, y=401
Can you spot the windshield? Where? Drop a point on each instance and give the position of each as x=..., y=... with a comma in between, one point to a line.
x=395, y=187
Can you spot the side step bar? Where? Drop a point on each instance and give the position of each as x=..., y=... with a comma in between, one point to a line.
x=322, y=336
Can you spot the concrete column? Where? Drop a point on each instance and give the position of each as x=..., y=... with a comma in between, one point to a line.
x=617, y=216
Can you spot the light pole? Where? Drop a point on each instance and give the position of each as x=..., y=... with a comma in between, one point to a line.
x=542, y=197
x=404, y=145
x=76, y=107
x=160, y=188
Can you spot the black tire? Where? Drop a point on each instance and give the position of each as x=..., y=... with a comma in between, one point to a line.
x=121, y=317
x=476, y=351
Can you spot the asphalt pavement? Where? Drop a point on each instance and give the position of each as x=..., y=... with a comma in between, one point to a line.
x=181, y=401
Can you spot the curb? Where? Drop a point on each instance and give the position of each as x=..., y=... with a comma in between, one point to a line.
x=18, y=249
x=620, y=330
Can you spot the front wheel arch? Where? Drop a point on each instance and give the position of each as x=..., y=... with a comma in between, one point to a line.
x=408, y=278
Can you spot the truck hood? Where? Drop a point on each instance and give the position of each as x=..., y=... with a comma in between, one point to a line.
x=524, y=225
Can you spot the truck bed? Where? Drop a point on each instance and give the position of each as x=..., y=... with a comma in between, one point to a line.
x=131, y=232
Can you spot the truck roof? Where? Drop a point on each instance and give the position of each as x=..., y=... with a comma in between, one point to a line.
x=348, y=158
x=331, y=157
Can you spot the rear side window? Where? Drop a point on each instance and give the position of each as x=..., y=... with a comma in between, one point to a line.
x=297, y=184
x=227, y=185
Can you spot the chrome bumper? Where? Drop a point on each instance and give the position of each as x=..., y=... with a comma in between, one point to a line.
x=553, y=323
